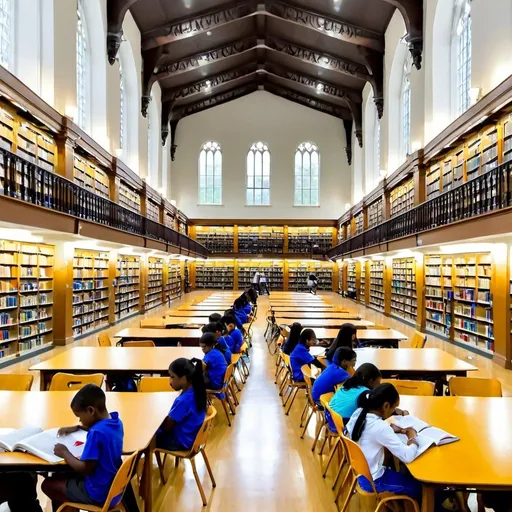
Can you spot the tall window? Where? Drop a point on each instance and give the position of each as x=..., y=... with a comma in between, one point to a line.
x=307, y=175
x=463, y=34
x=82, y=69
x=210, y=174
x=122, y=111
x=376, y=142
x=6, y=32
x=258, y=175
x=406, y=108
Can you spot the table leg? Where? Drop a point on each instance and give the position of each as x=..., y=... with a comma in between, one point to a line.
x=44, y=380
x=428, y=498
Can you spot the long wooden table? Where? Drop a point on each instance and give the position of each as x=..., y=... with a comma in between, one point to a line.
x=197, y=314
x=161, y=337
x=305, y=304
x=141, y=413
x=290, y=316
x=181, y=322
x=307, y=309
x=388, y=337
x=204, y=308
x=113, y=361
x=330, y=323
x=481, y=459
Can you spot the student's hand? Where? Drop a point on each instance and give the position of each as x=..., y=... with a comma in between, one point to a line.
x=400, y=412
x=410, y=432
x=397, y=429
x=60, y=450
x=65, y=431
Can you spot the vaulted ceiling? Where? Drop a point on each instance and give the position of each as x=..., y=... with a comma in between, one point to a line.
x=318, y=53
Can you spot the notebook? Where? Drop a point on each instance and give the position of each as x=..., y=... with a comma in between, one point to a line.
x=41, y=443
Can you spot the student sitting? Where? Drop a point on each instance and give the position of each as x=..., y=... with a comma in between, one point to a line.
x=347, y=337
x=301, y=356
x=216, y=365
x=293, y=338
x=179, y=430
x=224, y=343
x=233, y=332
x=101, y=457
x=344, y=360
x=367, y=428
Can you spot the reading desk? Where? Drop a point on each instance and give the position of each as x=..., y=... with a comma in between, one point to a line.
x=161, y=337
x=306, y=309
x=307, y=304
x=367, y=336
x=181, y=322
x=335, y=315
x=326, y=323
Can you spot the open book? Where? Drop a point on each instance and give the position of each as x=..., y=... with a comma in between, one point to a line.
x=41, y=443
x=427, y=436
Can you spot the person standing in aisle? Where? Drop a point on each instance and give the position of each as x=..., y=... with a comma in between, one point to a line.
x=256, y=281
x=312, y=283
x=263, y=284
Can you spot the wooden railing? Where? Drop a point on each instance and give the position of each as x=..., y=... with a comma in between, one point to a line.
x=483, y=194
x=23, y=180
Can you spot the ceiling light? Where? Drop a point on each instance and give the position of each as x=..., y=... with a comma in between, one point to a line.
x=19, y=235
x=209, y=33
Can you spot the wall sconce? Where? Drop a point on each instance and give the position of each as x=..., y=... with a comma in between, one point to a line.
x=347, y=206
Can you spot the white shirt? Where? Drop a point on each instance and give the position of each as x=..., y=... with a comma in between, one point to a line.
x=263, y=278
x=376, y=436
x=256, y=278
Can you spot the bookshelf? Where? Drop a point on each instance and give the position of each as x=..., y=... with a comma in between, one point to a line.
x=490, y=149
x=152, y=210
x=173, y=288
x=262, y=240
x=433, y=181
x=127, y=286
x=273, y=270
x=215, y=274
x=507, y=138
x=402, y=197
x=458, y=167
x=349, y=230
x=186, y=277
x=358, y=223
x=7, y=125
x=90, y=291
x=129, y=197
x=377, y=285
x=182, y=226
x=36, y=147
x=216, y=239
x=473, y=159
x=169, y=220
x=447, y=178
x=375, y=214
x=340, y=233
x=351, y=277
x=90, y=176
x=306, y=239
x=439, y=294
x=299, y=271
x=403, y=289
x=362, y=285
x=155, y=293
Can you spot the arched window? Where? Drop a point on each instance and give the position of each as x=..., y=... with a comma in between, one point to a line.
x=406, y=108
x=258, y=175
x=463, y=49
x=122, y=109
x=210, y=174
x=83, y=70
x=6, y=32
x=307, y=175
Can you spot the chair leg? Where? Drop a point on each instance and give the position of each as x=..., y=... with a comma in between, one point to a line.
x=161, y=465
x=307, y=423
x=176, y=461
x=303, y=415
x=230, y=401
x=340, y=469
x=318, y=433
x=331, y=457
x=342, y=486
x=198, y=482
x=224, y=406
x=233, y=393
x=208, y=468
x=245, y=367
x=349, y=496
x=295, y=391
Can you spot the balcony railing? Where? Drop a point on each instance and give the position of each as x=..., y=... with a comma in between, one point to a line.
x=27, y=182
x=486, y=193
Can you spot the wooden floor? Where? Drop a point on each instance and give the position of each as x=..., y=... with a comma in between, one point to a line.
x=261, y=464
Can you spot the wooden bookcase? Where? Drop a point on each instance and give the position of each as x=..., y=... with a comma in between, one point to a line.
x=127, y=286
x=90, y=176
x=7, y=129
x=439, y=294
x=473, y=159
x=358, y=223
x=273, y=270
x=152, y=210
x=90, y=291
x=264, y=240
x=490, y=149
x=129, y=197
x=304, y=239
x=155, y=293
x=433, y=181
x=215, y=274
x=351, y=276
x=217, y=239
x=507, y=138
x=299, y=271
x=362, y=283
x=36, y=147
x=173, y=287
x=402, y=197
x=403, y=289
x=375, y=213
x=377, y=285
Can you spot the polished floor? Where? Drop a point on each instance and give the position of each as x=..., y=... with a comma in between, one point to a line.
x=260, y=463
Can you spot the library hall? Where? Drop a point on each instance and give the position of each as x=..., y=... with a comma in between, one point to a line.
x=255, y=255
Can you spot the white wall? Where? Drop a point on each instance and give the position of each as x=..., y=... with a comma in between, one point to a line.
x=281, y=124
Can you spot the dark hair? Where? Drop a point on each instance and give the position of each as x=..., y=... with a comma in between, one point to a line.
x=243, y=298
x=306, y=335
x=192, y=369
x=214, y=317
x=209, y=339
x=373, y=400
x=229, y=312
x=89, y=396
x=253, y=297
x=312, y=277
x=363, y=375
x=343, y=354
x=212, y=327
x=293, y=338
x=344, y=339
x=238, y=304
x=228, y=319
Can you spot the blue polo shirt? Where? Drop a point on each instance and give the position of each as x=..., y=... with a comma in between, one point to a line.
x=247, y=308
x=344, y=401
x=229, y=341
x=298, y=358
x=238, y=340
x=104, y=444
x=327, y=380
x=188, y=419
x=215, y=368
x=223, y=346
x=241, y=316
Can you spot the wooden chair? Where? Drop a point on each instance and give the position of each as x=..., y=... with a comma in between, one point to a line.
x=141, y=343
x=71, y=382
x=293, y=386
x=153, y=384
x=223, y=394
x=118, y=487
x=198, y=447
x=324, y=427
x=236, y=359
x=14, y=382
x=104, y=340
x=418, y=340
x=359, y=467
x=412, y=387
x=471, y=386
x=311, y=406
x=153, y=322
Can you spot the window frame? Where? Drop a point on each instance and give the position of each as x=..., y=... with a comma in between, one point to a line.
x=254, y=149
x=122, y=110
x=83, y=86
x=302, y=188
x=217, y=150
x=405, y=108
x=7, y=7
x=462, y=43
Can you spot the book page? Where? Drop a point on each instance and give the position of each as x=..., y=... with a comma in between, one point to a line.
x=439, y=436
x=410, y=422
x=10, y=436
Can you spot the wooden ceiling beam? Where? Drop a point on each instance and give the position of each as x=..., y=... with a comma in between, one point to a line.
x=375, y=65
x=116, y=11
x=348, y=136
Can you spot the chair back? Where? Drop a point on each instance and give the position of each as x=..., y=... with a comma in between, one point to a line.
x=71, y=382
x=140, y=343
x=204, y=431
x=104, y=340
x=121, y=481
x=308, y=376
x=285, y=331
x=152, y=384
x=471, y=386
x=357, y=460
x=15, y=382
x=152, y=322
x=228, y=375
x=325, y=399
x=412, y=387
x=418, y=340
x=337, y=420
x=322, y=360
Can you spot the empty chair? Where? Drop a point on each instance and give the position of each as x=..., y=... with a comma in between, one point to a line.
x=13, y=382
x=104, y=340
x=412, y=387
x=418, y=340
x=152, y=384
x=152, y=322
x=471, y=386
x=141, y=343
x=71, y=382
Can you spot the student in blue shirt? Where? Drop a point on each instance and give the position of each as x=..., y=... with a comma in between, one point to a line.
x=234, y=333
x=101, y=457
x=240, y=313
x=344, y=361
x=224, y=343
x=293, y=338
x=347, y=337
x=216, y=365
x=301, y=356
x=179, y=430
